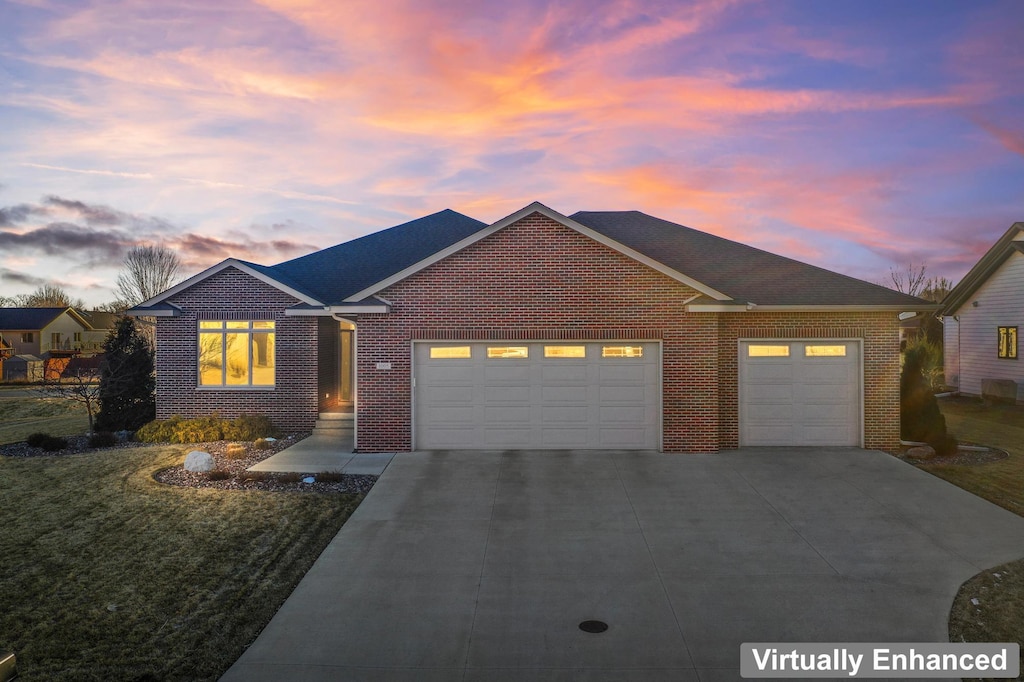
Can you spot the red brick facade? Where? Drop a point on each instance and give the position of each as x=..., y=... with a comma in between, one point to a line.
x=233, y=295
x=537, y=279
x=533, y=280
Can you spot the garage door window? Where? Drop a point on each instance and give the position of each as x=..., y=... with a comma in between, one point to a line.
x=622, y=351
x=450, y=352
x=508, y=352
x=565, y=351
x=768, y=351
x=837, y=351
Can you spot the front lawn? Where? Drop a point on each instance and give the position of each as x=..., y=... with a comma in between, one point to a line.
x=999, y=614
x=22, y=416
x=107, y=574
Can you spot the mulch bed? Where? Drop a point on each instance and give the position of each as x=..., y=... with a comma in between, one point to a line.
x=961, y=458
x=237, y=477
x=240, y=479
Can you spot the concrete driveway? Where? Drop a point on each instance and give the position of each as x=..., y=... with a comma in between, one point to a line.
x=481, y=565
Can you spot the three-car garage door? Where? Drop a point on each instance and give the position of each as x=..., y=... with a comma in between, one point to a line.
x=545, y=395
x=800, y=393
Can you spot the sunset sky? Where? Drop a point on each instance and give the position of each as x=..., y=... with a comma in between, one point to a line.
x=856, y=135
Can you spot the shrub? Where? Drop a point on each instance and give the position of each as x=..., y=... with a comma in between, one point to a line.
x=920, y=418
x=330, y=477
x=218, y=475
x=102, y=439
x=261, y=444
x=290, y=477
x=53, y=443
x=159, y=431
x=36, y=440
x=246, y=427
x=235, y=451
x=255, y=475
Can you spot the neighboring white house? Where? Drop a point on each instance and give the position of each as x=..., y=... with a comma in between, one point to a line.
x=983, y=317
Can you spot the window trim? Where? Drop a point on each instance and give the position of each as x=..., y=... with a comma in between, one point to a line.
x=1007, y=342
x=231, y=327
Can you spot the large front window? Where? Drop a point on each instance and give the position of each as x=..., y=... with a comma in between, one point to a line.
x=236, y=353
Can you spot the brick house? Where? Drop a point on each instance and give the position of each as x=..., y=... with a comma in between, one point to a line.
x=603, y=330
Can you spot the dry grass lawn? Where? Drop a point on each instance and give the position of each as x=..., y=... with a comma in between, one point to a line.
x=999, y=615
x=109, y=575
x=21, y=416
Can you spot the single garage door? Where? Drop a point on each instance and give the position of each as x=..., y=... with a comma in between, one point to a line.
x=537, y=395
x=800, y=393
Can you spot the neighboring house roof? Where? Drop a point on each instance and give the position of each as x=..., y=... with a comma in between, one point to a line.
x=746, y=274
x=34, y=319
x=726, y=274
x=1010, y=243
x=99, y=320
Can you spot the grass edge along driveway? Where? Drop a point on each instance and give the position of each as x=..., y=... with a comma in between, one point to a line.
x=108, y=574
x=998, y=615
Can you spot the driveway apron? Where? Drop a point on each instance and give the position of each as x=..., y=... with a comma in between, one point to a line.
x=482, y=565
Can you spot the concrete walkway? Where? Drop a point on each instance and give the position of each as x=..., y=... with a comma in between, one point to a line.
x=325, y=451
x=481, y=565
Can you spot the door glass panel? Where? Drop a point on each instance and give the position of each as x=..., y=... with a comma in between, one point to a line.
x=508, y=352
x=834, y=351
x=449, y=352
x=768, y=351
x=565, y=351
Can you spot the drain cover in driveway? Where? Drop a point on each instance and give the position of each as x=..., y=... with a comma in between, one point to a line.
x=593, y=626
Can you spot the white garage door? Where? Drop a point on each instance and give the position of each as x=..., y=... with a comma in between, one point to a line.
x=524, y=395
x=800, y=393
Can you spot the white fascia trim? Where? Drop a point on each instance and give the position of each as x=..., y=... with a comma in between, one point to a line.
x=537, y=207
x=752, y=307
x=223, y=265
x=327, y=311
x=162, y=312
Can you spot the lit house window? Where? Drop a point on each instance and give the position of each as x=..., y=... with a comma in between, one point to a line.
x=1008, y=342
x=236, y=353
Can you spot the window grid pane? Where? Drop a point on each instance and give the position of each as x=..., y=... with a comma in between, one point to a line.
x=508, y=352
x=565, y=351
x=622, y=351
x=836, y=351
x=450, y=352
x=768, y=351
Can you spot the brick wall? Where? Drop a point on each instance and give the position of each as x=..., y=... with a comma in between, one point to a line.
x=537, y=279
x=234, y=295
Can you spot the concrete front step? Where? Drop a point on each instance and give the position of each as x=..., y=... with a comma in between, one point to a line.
x=337, y=416
x=334, y=425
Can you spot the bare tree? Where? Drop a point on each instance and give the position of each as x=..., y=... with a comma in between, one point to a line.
x=147, y=270
x=49, y=296
x=910, y=280
x=936, y=289
x=78, y=384
x=8, y=302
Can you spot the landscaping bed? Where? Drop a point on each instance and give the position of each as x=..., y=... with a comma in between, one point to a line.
x=231, y=471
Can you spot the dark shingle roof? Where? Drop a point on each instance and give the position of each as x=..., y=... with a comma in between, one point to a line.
x=99, y=319
x=743, y=272
x=334, y=274
x=27, y=318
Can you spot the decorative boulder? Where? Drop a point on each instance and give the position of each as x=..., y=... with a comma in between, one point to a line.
x=197, y=460
x=922, y=452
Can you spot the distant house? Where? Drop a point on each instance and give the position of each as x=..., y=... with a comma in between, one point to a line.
x=982, y=318
x=53, y=332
